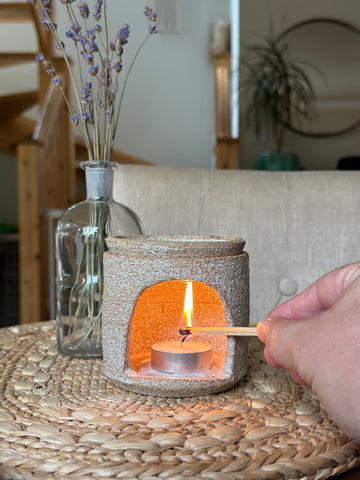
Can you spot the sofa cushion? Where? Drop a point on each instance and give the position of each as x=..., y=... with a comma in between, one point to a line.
x=297, y=225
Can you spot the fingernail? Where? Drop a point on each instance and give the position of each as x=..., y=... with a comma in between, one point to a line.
x=261, y=328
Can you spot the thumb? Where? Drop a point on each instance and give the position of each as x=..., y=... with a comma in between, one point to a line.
x=284, y=341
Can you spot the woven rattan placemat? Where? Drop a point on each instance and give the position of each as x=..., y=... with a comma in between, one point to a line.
x=62, y=418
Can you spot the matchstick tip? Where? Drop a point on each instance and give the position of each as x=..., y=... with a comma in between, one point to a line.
x=184, y=331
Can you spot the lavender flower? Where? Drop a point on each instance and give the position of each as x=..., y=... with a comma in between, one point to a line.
x=89, y=46
x=152, y=29
x=85, y=93
x=98, y=6
x=93, y=70
x=74, y=33
x=46, y=5
x=50, y=70
x=90, y=34
x=59, y=46
x=40, y=57
x=109, y=115
x=121, y=39
x=98, y=92
x=84, y=9
x=45, y=11
x=150, y=15
x=88, y=118
x=74, y=119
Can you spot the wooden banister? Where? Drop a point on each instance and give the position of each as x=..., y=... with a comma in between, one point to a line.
x=46, y=181
x=15, y=131
x=10, y=59
x=44, y=37
x=29, y=234
x=46, y=173
x=13, y=105
x=54, y=136
x=14, y=12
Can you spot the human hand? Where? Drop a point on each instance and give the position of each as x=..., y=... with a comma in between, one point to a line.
x=316, y=335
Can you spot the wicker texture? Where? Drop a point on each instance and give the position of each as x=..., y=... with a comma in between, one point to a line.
x=62, y=418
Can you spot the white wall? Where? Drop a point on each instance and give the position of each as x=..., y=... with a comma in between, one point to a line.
x=314, y=153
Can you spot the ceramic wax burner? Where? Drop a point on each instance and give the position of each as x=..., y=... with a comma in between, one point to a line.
x=146, y=282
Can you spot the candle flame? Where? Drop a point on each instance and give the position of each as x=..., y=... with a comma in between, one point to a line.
x=188, y=304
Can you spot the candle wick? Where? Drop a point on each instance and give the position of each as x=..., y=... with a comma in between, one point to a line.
x=184, y=338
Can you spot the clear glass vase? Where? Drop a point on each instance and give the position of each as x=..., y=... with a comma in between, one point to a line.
x=79, y=247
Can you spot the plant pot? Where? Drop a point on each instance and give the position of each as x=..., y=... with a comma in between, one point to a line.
x=277, y=161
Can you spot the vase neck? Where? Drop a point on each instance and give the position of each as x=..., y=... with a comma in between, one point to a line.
x=99, y=178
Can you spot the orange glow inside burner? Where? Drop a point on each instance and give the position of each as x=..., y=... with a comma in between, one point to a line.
x=159, y=313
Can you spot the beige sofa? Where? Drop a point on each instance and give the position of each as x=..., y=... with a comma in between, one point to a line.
x=297, y=225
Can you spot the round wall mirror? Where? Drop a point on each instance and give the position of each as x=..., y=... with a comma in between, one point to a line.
x=329, y=51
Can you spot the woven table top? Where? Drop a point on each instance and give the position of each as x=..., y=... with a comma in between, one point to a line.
x=62, y=418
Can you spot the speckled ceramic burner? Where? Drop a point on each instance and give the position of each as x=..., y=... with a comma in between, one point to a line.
x=145, y=279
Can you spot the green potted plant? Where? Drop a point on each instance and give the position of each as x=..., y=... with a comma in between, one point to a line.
x=275, y=91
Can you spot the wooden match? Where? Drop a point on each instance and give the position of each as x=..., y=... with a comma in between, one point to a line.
x=230, y=331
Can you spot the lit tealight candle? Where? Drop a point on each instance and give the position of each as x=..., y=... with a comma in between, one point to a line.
x=181, y=357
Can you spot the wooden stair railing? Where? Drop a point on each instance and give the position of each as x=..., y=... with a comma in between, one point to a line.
x=11, y=106
x=10, y=59
x=15, y=12
x=18, y=130
x=15, y=138
x=46, y=181
x=13, y=128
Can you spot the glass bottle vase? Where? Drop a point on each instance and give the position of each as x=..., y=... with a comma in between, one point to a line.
x=79, y=247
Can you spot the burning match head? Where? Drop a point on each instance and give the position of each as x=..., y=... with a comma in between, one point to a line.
x=184, y=331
